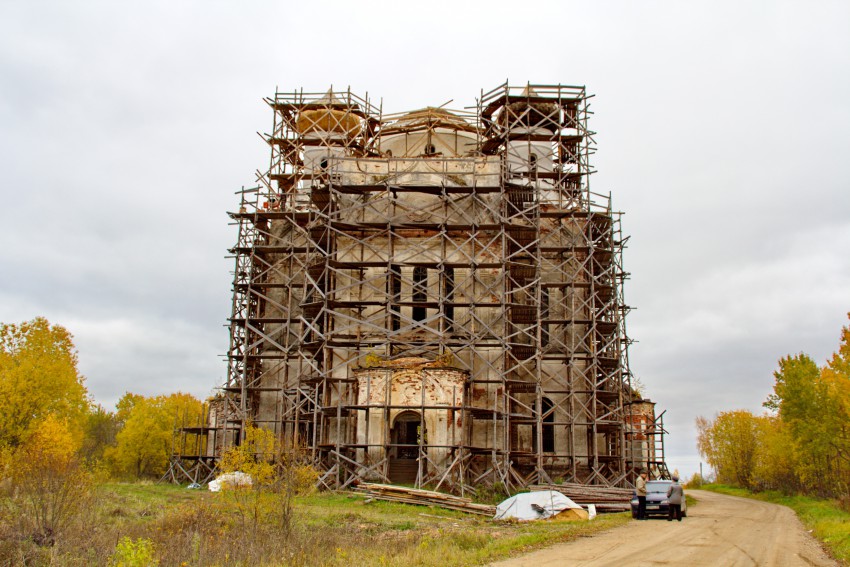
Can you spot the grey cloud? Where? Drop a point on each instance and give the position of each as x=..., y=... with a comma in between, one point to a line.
x=723, y=130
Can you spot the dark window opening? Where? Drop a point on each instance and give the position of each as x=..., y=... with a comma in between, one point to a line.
x=448, y=295
x=544, y=315
x=548, y=426
x=548, y=432
x=394, y=285
x=420, y=292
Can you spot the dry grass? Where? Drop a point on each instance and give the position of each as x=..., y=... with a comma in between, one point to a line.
x=194, y=527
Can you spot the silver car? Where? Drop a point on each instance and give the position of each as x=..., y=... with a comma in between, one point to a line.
x=656, y=500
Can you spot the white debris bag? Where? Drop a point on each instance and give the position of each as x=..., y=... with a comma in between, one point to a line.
x=229, y=481
x=534, y=506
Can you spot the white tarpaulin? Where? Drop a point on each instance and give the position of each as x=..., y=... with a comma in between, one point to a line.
x=231, y=480
x=534, y=506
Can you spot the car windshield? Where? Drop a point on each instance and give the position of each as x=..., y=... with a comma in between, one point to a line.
x=658, y=486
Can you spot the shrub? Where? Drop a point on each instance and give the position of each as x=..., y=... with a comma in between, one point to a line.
x=278, y=476
x=133, y=554
x=695, y=481
x=50, y=485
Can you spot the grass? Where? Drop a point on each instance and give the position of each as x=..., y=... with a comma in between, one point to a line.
x=827, y=521
x=401, y=534
x=196, y=527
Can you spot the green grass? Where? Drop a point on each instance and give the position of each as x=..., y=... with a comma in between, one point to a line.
x=825, y=518
x=126, y=503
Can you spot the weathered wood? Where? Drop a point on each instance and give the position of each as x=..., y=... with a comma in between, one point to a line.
x=605, y=498
x=420, y=497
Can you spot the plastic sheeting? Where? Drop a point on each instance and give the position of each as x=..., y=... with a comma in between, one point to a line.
x=534, y=506
x=231, y=480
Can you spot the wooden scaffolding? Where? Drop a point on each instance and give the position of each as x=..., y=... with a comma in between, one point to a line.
x=434, y=297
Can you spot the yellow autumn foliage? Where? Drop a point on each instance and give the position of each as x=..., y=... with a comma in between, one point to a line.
x=256, y=456
x=39, y=378
x=804, y=445
x=51, y=484
x=149, y=425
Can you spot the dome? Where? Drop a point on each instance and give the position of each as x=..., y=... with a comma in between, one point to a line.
x=329, y=114
x=427, y=118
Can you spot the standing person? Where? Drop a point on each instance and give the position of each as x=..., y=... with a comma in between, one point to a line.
x=640, y=490
x=675, y=494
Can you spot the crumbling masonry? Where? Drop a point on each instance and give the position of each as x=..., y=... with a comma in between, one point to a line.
x=434, y=298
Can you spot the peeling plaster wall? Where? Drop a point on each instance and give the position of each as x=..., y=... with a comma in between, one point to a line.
x=389, y=392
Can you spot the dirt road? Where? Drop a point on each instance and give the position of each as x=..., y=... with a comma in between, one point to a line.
x=719, y=530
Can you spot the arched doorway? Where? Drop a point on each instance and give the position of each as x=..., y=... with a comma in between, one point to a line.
x=405, y=436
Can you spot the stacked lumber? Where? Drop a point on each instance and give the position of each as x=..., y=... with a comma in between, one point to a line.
x=605, y=498
x=393, y=493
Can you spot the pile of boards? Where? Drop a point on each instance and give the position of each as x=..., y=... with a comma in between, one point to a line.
x=605, y=498
x=423, y=498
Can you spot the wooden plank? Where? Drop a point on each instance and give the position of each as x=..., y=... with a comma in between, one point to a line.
x=420, y=497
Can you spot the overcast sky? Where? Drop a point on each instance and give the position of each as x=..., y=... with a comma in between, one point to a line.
x=723, y=134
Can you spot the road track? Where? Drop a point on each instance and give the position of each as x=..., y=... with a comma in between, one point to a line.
x=720, y=530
